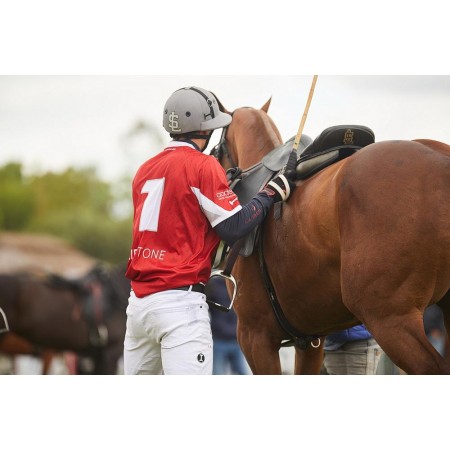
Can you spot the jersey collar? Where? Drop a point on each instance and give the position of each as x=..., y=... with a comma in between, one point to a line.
x=175, y=144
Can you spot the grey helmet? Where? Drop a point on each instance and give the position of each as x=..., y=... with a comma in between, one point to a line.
x=193, y=109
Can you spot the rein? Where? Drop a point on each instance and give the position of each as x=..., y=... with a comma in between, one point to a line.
x=221, y=149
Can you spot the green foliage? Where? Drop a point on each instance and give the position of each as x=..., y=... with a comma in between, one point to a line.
x=75, y=205
x=72, y=189
x=16, y=198
x=91, y=232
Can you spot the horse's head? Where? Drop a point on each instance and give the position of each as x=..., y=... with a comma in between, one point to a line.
x=250, y=135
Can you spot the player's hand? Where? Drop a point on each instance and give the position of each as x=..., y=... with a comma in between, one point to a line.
x=281, y=187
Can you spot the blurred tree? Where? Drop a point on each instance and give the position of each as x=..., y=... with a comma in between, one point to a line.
x=71, y=189
x=17, y=203
x=95, y=234
x=94, y=216
x=75, y=205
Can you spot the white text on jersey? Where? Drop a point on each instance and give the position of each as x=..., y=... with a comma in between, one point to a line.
x=147, y=253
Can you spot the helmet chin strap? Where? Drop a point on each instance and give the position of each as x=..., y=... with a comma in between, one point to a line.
x=204, y=137
x=207, y=140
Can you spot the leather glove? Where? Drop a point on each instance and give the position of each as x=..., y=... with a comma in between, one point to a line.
x=281, y=187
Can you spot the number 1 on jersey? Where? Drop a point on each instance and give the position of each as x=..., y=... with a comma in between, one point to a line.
x=152, y=204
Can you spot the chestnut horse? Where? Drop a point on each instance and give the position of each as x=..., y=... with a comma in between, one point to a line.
x=365, y=240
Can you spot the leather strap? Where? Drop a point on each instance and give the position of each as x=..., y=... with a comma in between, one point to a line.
x=195, y=288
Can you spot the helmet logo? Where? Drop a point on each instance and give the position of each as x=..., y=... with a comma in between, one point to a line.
x=173, y=122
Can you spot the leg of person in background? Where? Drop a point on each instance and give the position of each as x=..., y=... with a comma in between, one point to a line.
x=386, y=366
x=437, y=340
x=353, y=358
x=228, y=358
x=221, y=365
x=6, y=364
x=238, y=363
x=433, y=321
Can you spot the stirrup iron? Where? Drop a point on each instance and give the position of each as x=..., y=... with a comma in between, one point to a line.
x=220, y=273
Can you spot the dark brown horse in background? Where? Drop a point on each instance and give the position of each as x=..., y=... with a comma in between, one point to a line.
x=366, y=240
x=13, y=345
x=85, y=316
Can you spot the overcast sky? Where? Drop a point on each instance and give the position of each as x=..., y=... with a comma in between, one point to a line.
x=52, y=115
x=51, y=122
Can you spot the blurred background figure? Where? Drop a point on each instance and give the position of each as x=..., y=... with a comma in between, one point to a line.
x=6, y=365
x=353, y=351
x=228, y=358
x=433, y=321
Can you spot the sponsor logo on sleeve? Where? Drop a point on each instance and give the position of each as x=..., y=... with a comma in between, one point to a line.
x=224, y=195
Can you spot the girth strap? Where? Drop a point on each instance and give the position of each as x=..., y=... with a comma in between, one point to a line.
x=297, y=339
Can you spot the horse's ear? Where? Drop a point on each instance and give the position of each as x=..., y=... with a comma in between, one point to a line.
x=265, y=108
x=221, y=107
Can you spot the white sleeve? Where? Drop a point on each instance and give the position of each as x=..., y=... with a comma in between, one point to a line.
x=212, y=211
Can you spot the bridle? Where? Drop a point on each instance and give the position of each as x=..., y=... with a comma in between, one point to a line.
x=221, y=149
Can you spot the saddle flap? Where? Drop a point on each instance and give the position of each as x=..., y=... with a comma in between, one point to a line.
x=278, y=157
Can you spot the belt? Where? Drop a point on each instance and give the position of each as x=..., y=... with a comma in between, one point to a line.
x=195, y=288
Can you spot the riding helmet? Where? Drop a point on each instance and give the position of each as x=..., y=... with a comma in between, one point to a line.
x=193, y=109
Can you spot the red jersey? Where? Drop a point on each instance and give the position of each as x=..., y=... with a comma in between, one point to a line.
x=179, y=196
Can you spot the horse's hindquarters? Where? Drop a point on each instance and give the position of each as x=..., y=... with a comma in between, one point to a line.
x=395, y=246
x=393, y=220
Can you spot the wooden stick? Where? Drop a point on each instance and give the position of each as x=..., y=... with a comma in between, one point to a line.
x=305, y=114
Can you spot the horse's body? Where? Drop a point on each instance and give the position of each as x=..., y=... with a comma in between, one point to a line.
x=51, y=314
x=13, y=345
x=364, y=240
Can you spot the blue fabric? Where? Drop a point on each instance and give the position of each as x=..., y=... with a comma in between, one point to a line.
x=223, y=324
x=228, y=358
x=336, y=340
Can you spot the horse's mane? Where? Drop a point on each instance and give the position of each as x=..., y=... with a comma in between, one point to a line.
x=221, y=107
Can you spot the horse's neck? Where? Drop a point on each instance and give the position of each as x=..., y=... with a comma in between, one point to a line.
x=253, y=149
x=256, y=136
